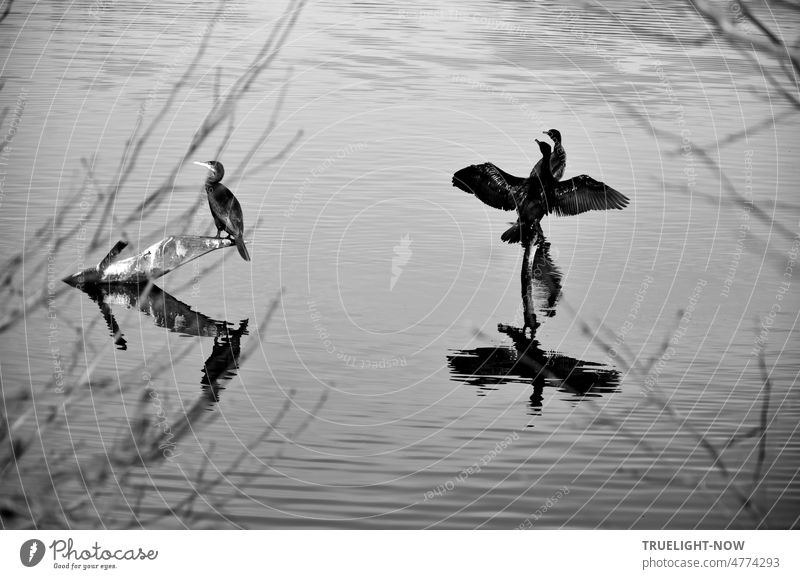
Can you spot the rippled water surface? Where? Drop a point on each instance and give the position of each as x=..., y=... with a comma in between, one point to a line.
x=394, y=399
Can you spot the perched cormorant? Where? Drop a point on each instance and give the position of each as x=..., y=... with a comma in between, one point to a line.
x=225, y=207
x=558, y=163
x=535, y=197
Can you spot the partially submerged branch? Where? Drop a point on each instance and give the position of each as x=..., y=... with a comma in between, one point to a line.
x=159, y=259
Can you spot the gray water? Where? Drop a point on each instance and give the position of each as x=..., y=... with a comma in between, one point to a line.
x=394, y=282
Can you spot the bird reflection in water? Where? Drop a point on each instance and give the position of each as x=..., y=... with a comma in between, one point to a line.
x=169, y=312
x=489, y=367
x=223, y=362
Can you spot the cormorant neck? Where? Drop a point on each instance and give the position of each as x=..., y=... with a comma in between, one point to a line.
x=546, y=173
x=545, y=178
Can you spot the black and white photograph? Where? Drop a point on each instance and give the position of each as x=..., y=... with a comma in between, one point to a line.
x=340, y=265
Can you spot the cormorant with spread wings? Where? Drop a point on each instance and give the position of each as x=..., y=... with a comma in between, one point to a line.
x=540, y=194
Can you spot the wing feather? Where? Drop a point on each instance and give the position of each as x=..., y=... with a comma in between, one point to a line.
x=582, y=193
x=490, y=184
x=226, y=209
x=236, y=218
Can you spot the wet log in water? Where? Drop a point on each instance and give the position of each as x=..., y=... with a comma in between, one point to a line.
x=158, y=259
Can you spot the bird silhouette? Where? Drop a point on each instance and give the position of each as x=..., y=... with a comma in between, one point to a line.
x=539, y=195
x=558, y=164
x=225, y=208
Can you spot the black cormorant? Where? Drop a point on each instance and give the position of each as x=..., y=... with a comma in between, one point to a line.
x=558, y=163
x=536, y=196
x=225, y=207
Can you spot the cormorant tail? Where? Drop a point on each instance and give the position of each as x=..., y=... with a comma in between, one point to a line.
x=242, y=249
x=513, y=234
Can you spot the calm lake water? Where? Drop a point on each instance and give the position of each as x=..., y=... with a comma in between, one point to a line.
x=394, y=399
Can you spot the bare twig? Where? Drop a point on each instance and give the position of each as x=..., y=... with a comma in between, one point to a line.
x=6, y=10
x=727, y=27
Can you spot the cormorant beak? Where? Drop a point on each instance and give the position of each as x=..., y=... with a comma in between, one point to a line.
x=206, y=165
x=546, y=133
x=537, y=140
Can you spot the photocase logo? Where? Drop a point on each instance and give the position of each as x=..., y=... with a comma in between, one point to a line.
x=402, y=254
x=31, y=552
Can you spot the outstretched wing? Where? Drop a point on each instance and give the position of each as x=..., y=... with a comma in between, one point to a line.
x=489, y=184
x=582, y=193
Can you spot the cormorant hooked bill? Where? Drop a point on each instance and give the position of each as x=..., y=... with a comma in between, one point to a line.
x=225, y=207
x=535, y=197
